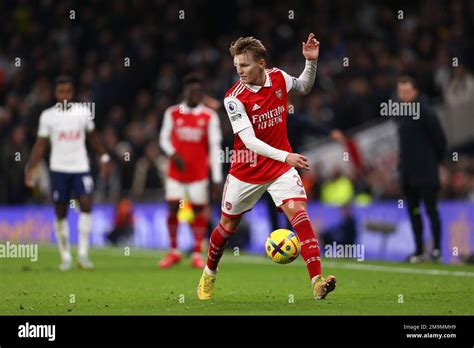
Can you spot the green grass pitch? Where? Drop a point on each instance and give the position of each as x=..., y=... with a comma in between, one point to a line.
x=246, y=285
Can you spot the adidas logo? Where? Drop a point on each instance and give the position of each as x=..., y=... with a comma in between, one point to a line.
x=255, y=107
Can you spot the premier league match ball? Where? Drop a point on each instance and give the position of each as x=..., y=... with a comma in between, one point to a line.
x=282, y=246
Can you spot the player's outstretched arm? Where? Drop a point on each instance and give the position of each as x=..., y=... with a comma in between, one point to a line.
x=37, y=154
x=252, y=143
x=165, y=141
x=304, y=83
x=96, y=144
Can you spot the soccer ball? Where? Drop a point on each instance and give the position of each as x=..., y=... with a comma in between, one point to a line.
x=282, y=246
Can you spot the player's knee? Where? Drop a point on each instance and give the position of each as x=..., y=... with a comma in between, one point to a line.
x=61, y=211
x=291, y=207
x=85, y=204
x=173, y=207
x=199, y=209
x=86, y=209
x=229, y=223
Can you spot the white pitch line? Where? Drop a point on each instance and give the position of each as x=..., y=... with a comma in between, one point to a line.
x=379, y=268
x=358, y=267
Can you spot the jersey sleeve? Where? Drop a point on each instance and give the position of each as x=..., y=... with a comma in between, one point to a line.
x=165, y=134
x=237, y=114
x=44, y=128
x=290, y=81
x=303, y=84
x=215, y=138
x=252, y=143
x=214, y=128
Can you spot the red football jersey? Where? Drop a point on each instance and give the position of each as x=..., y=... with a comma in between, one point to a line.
x=266, y=108
x=190, y=139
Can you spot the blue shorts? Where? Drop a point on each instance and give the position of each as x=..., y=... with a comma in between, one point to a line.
x=64, y=184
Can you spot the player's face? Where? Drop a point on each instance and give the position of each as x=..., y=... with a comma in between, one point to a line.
x=193, y=94
x=406, y=92
x=249, y=69
x=64, y=91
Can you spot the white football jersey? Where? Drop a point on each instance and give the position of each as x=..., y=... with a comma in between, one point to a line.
x=66, y=129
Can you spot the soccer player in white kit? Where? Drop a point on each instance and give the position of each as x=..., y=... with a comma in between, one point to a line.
x=66, y=126
x=257, y=107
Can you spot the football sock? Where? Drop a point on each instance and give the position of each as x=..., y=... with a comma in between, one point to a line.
x=209, y=271
x=199, y=227
x=173, y=230
x=85, y=227
x=308, y=242
x=217, y=243
x=62, y=236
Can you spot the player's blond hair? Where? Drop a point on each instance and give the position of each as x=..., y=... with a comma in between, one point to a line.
x=248, y=44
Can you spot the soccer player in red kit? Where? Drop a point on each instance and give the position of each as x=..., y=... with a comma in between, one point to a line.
x=257, y=109
x=190, y=136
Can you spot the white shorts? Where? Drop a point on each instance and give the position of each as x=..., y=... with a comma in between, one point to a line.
x=239, y=197
x=197, y=192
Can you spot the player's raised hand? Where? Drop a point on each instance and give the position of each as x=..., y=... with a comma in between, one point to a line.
x=311, y=48
x=298, y=161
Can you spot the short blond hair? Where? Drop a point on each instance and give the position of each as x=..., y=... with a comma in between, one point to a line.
x=248, y=44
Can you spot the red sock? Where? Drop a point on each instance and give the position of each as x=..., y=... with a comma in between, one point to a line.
x=309, y=244
x=199, y=230
x=173, y=229
x=217, y=244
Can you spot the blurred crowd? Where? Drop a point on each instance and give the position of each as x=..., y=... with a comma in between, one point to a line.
x=129, y=57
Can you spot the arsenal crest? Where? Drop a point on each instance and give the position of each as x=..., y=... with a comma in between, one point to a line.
x=279, y=93
x=228, y=205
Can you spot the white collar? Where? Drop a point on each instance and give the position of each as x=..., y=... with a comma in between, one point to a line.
x=256, y=88
x=185, y=109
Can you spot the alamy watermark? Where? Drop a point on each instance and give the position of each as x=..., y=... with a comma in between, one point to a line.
x=28, y=330
x=19, y=251
x=84, y=108
x=238, y=156
x=396, y=108
x=351, y=251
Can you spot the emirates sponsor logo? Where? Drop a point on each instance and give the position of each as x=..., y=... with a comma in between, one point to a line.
x=190, y=134
x=269, y=118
